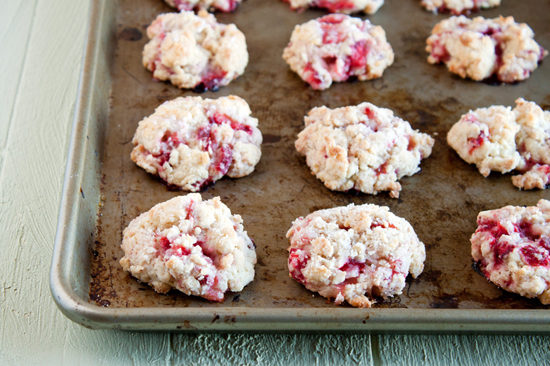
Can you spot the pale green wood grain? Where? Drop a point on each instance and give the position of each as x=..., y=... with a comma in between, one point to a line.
x=269, y=349
x=123, y=348
x=467, y=350
x=39, y=102
x=16, y=18
x=31, y=175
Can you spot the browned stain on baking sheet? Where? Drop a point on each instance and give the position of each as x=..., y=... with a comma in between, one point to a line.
x=130, y=34
x=441, y=202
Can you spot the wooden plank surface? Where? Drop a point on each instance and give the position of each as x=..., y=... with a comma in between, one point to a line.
x=467, y=350
x=15, y=27
x=42, y=100
x=39, y=68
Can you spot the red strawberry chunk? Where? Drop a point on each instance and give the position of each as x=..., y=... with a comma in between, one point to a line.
x=165, y=243
x=168, y=142
x=219, y=118
x=312, y=77
x=207, y=251
x=526, y=230
x=475, y=142
x=204, y=135
x=370, y=113
x=213, y=293
x=332, y=64
x=334, y=6
x=333, y=18
x=500, y=251
x=358, y=58
x=440, y=52
x=223, y=159
x=381, y=169
x=492, y=227
x=232, y=5
x=382, y=225
x=536, y=256
x=298, y=259
x=353, y=268
x=167, y=248
x=211, y=80
x=204, y=184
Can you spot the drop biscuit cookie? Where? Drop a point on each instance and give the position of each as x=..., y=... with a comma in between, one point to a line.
x=192, y=142
x=503, y=139
x=511, y=247
x=361, y=147
x=194, y=51
x=337, y=47
x=354, y=253
x=197, y=247
x=481, y=48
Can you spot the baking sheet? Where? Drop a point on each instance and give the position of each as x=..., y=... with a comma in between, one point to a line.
x=441, y=202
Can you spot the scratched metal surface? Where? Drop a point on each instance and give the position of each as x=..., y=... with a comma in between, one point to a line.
x=441, y=202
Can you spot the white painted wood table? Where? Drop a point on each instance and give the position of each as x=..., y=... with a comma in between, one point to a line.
x=42, y=43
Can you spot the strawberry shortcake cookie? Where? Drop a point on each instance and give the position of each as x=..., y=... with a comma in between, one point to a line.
x=339, y=6
x=194, y=51
x=197, y=247
x=511, y=247
x=533, y=144
x=220, y=5
x=458, y=6
x=192, y=142
x=361, y=147
x=354, y=253
x=338, y=47
x=487, y=137
x=482, y=48
x=503, y=139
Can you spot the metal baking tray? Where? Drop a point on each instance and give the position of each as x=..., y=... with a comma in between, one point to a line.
x=104, y=189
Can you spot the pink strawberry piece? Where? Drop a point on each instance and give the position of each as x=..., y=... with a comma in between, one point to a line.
x=335, y=6
x=312, y=77
x=298, y=259
x=440, y=52
x=536, y=256
x=168, y=142
x=475, y=142
x=211, y=81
